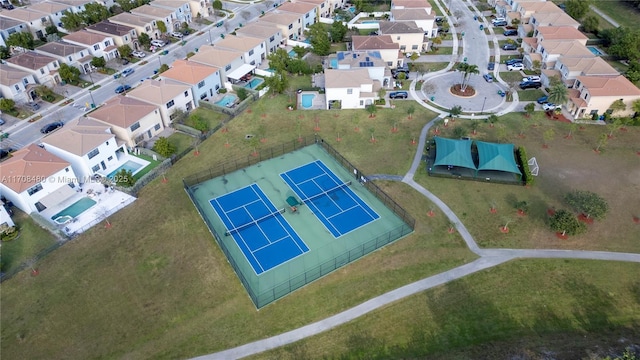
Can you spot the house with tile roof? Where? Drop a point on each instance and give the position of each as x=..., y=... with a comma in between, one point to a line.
x=88, y=145
x=525, y=9
x=350, y=89
x=551, y=50
x=552, y=33
x=204, y=79
x=10, y=26
x=290, y=24
x=99, y=45
x=595, y=95
x=17, y=85
x=55, y=11
x=34, y=179
x=79, y=5
x=121, y=34
x=308, y=12
x=572, y=67
x=158, y=14
x=133, y=121
x=142, y=24
x=369, y=60
x=411, y=4
x=44, y=68
x=167, y=95
x=230, y=62
x=389, y=51
x=252, y=48
x=35, y=20
x=420, y=17
x=67, y=53
x=181, y=11
x=552, y=19
x=322, y=6
x=269, y=32
x=406, y=34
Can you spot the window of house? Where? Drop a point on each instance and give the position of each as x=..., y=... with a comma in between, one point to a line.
x=577, y=84
x=25, y=81
x=250, y=52
x=217, y=86
x=398, y=38
x=95, y=168
x=110, y=158
x=34, y=189
x=403, y=48
x=17, y=87
x=173, y=116
x=66, y=169
x=186, y=93
x=170, y=104
x=272, y=38
x=135, y=126
x=227, y=68
x=585, y=96
x=203, y=96
x=93, y=153
x=96, y=47
x=414, y=47
x=156, y=127
x=200, y=84
x=593, y=112
x=361, y=102
x=253, y=62
x=349, y=91
x=70, y=58
x=307, y=16
x=126, y=38
x=41, y=72
x=290, y=26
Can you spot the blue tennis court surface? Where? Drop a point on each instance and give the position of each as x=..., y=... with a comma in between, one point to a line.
x=261, y=232
x=329, y=198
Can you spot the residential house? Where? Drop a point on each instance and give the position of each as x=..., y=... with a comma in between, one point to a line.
x=322, y=7
x=79, y=5
x=349, y=89
x=411, y=4
x=502, y=7
x=269, y=32
x=88, y=145
x=10, y=26
x=307, y=11
x=167, y=95
x=230, y=62
x=526, y=9
x=181, y=11
x=570, y=68
x=70, y=54
x=552, y=19
x=420, y=17
x=253, y=48
x=17, y=85
x=406, y=34
x=34, y=179
x=388, y=50
x=99, y=45
x=335, y=4
x=132, y=121
x=542, y=33
x=595, y=95
x=121, y=34
x=551, y=50
x=53, y=10
x=5, y=218
x=204, y=79
x=290, y=24
x=44, y=68
x=142, y=24
x=158, y=14
x=369, y=60
x=36, y=21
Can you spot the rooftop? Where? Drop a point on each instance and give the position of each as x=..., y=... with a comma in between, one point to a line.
x=411, y=14
x=31, y=60
x=210, y=55
x=189, y=72
x=297, y=8
x=152, y=11
x=85, y=37
x=31, y=164
x=122, y=111
x=609, y=86
x=10, y=76
x=561, y=32
x=404, y=27
x=158, y=92
x=379, y=42
x=61, y=48
x=80, y=136
x=346, y=78
x=243, y=44
x=110, y=28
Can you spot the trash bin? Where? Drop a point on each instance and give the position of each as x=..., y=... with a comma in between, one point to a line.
x=481, y=27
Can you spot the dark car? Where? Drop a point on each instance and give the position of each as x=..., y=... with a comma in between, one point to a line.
x=510, y=47
x=398, y=95
x=513, y=61
x=491, y=66
x=1, y=121
x=510, y=33
x=488, y=77
x=530, y=85
x=33, y=106
x=542, y=100
x=51, y=127
x=122, y=88
x=4, y=153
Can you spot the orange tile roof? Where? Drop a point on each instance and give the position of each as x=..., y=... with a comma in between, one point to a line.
x=29, y=166
x=609, y=86
x=189, y=72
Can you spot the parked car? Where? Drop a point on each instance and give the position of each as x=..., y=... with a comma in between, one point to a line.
x=138, y=54
x=510, y=32
x=532, y=78
x=498, y=19
x=509, y=47
x=488, y=77
x=491, y=66
x=517, y=66
x=127, y=72
x=5, y=153
x=550, y=107
x=122, y=88
x=513, y=61
x=51, y=127
x=499, y=23
x=176, y=34
x=124, y=61
x=8, y=6
x=33, y=106
x=542, y=100
x=530, y=85
x=1, y=122
x=398, y=95
x=158, y=43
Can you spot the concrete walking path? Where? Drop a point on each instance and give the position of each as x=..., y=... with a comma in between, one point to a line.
x=604, y=16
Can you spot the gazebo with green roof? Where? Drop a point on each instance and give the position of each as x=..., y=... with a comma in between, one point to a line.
x=450, y=152
x=498, y=157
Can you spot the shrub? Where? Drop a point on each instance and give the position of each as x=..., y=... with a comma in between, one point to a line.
x=124, y=178
x=222, y=91
x=8, y=233
x=522, y=158
x=242, y=94
x=164, y=147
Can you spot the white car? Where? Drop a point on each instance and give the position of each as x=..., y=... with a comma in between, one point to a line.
x=550, y=106
x=518, y=66
x=138, y=54
x=532, y=79
x=498, y=20
x=176, y=34
x=158, y=43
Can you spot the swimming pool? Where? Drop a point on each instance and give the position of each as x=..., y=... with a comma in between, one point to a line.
x=73, y=211
x=254, y=83
x=227, y=100
x=370, y=22
x=129, y=165
x=307, y=100
x=292, y=54
x=595, y=50
x=334, y=63
x=352, y=10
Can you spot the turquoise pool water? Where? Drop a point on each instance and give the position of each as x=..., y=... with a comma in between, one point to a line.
x=73, y=211
x=292, y=54
x=307, y=100
x=370, y=22
x=254, y=83
x=352, y=10
x=129, y=165
x=595, y=51
x=227, y=100
x=334, y=63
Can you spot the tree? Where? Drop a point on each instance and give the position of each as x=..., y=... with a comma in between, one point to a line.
x=319, y=39
x=94, y=13
x=577, y=9
x=163, y=68
x=4, y=53
x=467, y=71
x=124, y=178
x=475, y=124
x=558, y=94
x=70, y=74
x=125, y=51
x=164, y=147
x=555, y=80
x=71, y=21
x=7, y=105
x=635, y=106
x=279, y=60
x=22, y=39
x=548, y=136
x=410, y=110
x=242, y=94
x=493, y=119
x=338, y=30
x=162, y=27
x=144, y=39
x=98, y=61
x=45, y=92
x=588, y=203
x=216, y=5
x=51, y=29
x=199, y=123
x=536, y=64
x=623, y=43
x=371, y=109
x=277, y=83
x=455, y=111
x=382, y=92
x=618, y=105
x=590, y=24
x=435, y=41
x=566, y=223
x=529, y=109
x=459, y=132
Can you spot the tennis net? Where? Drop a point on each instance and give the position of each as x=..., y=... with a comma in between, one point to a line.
x=326, y=192
x=254, y=222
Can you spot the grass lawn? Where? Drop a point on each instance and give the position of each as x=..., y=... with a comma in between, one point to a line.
x=434, y=8
x=626, y=16
x=511, y=76
x=151, y=166
x=339, y=47
x=428, y=66
x=499, y=30
x=442, y=50
x=32, y=240
x=530, y=94
x=181, y=141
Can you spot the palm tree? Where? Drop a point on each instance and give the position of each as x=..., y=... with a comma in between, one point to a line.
x=467, y=71
x=558, y=94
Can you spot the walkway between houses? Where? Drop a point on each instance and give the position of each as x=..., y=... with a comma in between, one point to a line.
x=604, y=16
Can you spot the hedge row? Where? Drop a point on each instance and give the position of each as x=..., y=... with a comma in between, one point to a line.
x=522, y=157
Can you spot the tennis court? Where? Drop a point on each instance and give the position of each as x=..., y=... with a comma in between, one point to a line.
x=330, y=199
x=263, y=235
